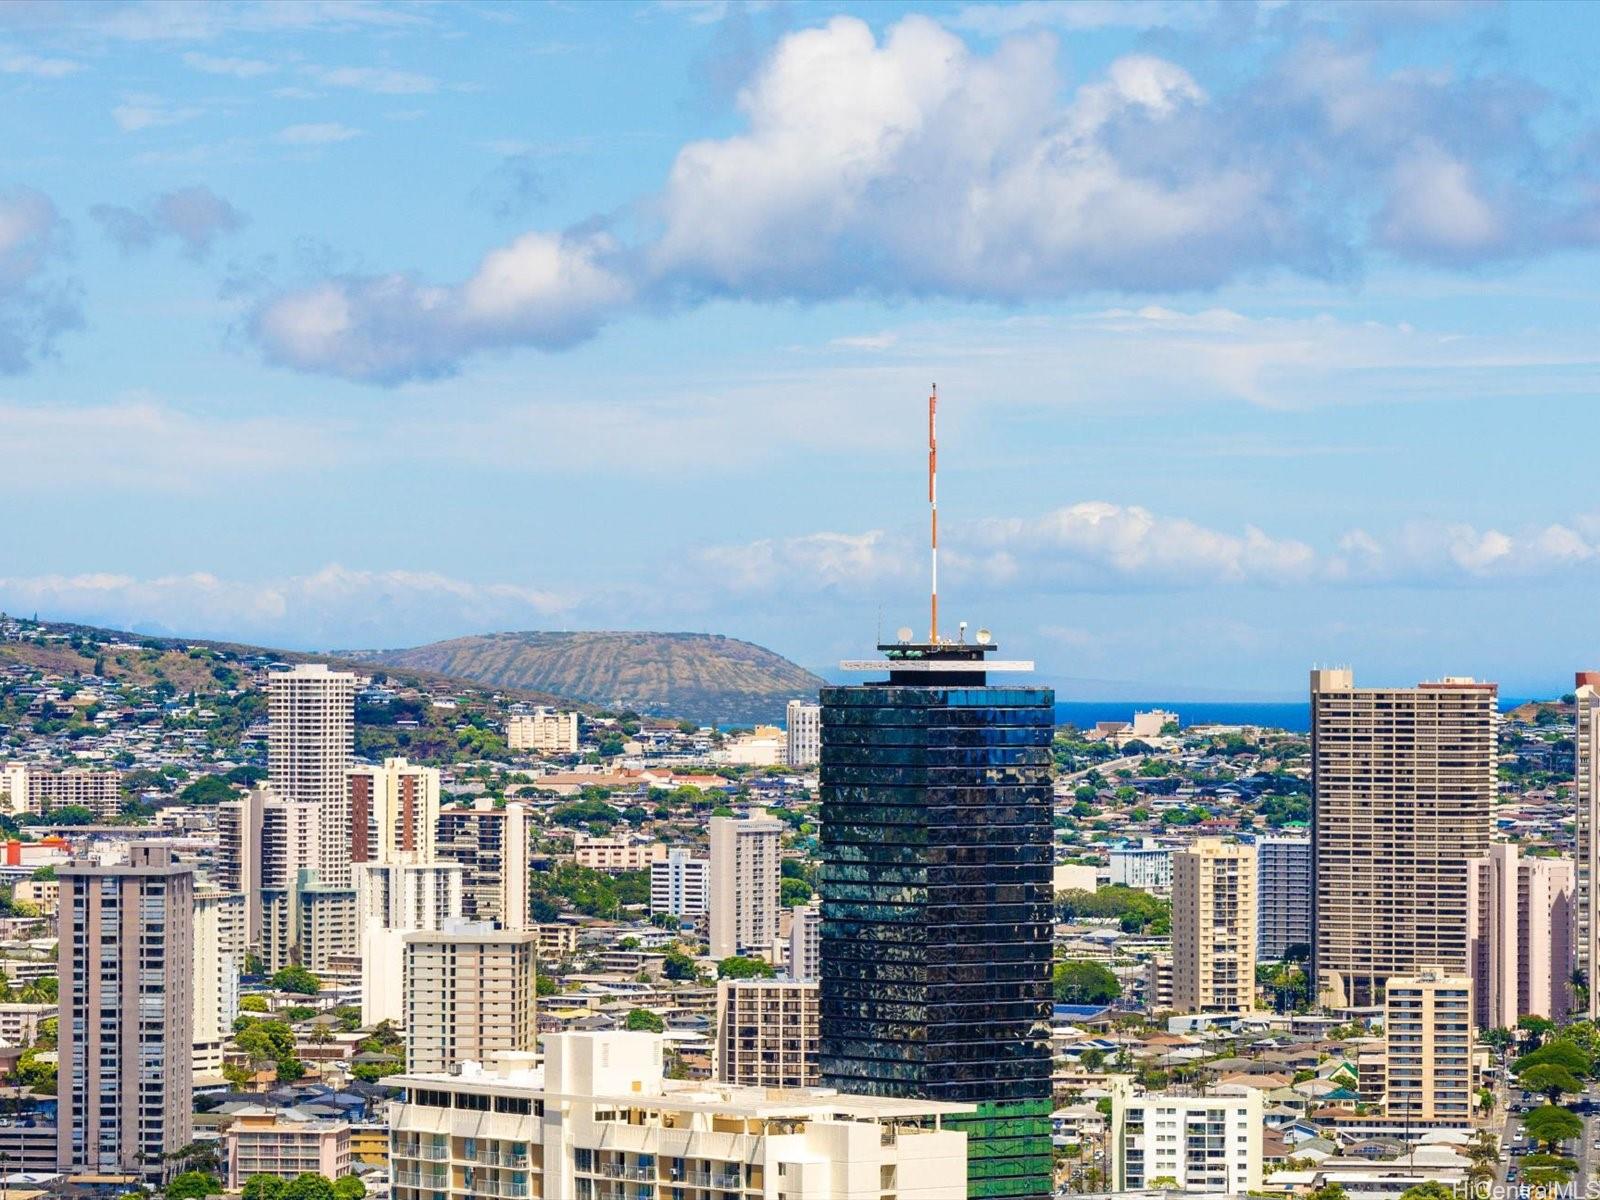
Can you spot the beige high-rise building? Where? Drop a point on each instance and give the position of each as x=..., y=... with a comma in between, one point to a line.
x=36, y=789
x=1519, y=929
x=469, y=994
x=1214, y=927
x=745, y=885
x=493, y=844
x=1403, y=781
x=803, y=733
x=392, y=900
x=126, y=1036
x=219, y=950
x=310, y=740
x=767, y=1033
x=1427, y=1026
x=600, y=1120
x=394, y=811
x=543, y=731
x=237, y=867
x=1586, y=878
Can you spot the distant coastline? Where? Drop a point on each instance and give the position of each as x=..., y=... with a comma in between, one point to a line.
x=1294, y=716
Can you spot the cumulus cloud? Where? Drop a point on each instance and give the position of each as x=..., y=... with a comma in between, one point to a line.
x=36, y=305
x=334, y=606
x=236, y=68
x=196, y=216
x=913, y=164
x=548, y=290
x=1097, y=546
x=38, y=66
x=316, y=133
x=138, y=113
x=383, y=81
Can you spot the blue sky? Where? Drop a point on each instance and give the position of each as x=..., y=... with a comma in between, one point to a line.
x=1265, y=334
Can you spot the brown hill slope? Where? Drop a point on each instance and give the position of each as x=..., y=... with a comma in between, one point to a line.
x=706, y=677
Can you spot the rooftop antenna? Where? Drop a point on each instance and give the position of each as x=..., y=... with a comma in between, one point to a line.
x=933, y=513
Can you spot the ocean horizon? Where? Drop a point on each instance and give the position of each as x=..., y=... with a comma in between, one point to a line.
x=1293, y=716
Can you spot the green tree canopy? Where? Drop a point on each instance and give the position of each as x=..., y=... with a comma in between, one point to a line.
x=1560, y=1052
x=1084, y=983
x=193, y=1185
x=736, y=966
x=264, y=1187
x=298, y=980
x=349, y=1187
x=1552, y=1080
x=308, y=1186
x=1430, y=1189
x=1550, y=1125
x=642, y=1020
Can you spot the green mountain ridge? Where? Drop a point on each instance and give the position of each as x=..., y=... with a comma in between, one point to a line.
x=704, y=677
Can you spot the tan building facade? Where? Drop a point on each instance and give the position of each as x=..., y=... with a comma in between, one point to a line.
x=1403, y=780
x=39, y=790
x=543, y=731
x=262, y=1142
x=745, y=874
x=394, y=811
x=1520, y=916
x=1586, y=878
x=1428, y=1037
x=469, y=995
x=767, y=1033
x=126, y=965
x=1214, y=927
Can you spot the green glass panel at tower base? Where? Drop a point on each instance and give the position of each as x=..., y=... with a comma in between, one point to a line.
x=1008, y=1150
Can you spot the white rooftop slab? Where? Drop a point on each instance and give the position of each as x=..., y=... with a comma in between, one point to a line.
x=940, y=666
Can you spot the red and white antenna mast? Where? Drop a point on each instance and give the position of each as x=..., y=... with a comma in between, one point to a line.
x=933, y=512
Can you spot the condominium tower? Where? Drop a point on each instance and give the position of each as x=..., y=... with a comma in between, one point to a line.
x=767, y=1033
x=1427, y=1029
x=1283, y=896
x=1519, y=932
x=125, y=1043
x=1402, y=784
x=1214, y=927
x=745, y=887
x=394, y=811
x=469, y=994
x=1586, y=921
x=803, y=733
x=310, y=740
x=493, y=845
x=936, y=899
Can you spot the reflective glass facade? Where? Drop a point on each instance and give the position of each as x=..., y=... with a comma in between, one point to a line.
x=936, y=910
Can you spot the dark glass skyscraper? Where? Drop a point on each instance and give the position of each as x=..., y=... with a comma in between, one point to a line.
x=936, y=901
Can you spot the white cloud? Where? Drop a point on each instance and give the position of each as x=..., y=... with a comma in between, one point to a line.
x=141, y=443
x=334, y=607
x=547, y=290
x=1096, y=546
x=913, y=164
x=1001, y=20
x=321, y=133
x=36, y=305
x=37, y=66
x=383, y=81
x=237, y=68
x=138, y=113
x=196, y=216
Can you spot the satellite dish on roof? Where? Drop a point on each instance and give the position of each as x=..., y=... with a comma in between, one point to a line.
x=984, y=637
x=903, y=634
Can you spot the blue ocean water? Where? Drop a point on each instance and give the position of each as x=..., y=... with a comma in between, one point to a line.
x=1292, y=716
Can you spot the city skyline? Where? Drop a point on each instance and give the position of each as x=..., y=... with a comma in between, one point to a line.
x=1251, y=360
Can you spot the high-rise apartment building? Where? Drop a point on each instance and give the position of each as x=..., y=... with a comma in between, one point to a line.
x=219, y=950
x=1200, y=1143
x=599, y=1120
x=767, y=1032
x=392, y=900
x=126, y=1037
x=1586, y=878
x=1427, y=1029
x=543, y=731
x=1214, y=927
x=805, y=942
x=394, y=811
x=680, y=885
x=1403, y=780
x=937, y=902
x=745, y=884
x=237, y=867
x=1520, y=918
x=1283, y=896
x=469, y=994
x=803, y=733
x=310, y=740
x=288, y=839
x=30, y=788
x=493, y=844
